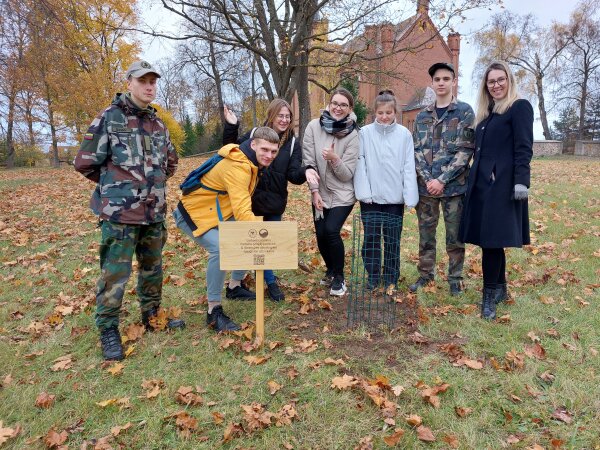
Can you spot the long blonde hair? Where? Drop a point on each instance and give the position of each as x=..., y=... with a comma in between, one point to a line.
x=485, y=99
x=272, y=111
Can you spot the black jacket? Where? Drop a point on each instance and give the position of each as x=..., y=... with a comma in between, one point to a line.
x=270, y=195
x=503, y=150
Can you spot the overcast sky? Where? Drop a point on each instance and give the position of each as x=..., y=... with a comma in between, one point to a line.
x=546, y=12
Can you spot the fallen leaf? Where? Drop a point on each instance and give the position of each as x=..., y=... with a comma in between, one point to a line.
x=257, y=360
x=535, y=351
x=256, y=416
x=414, y=420
x=274, y=387
x=397, y=390
x=324, y=304
x=105, y=403
x=292, y=373
x=185, y=396
x=563, y=415
x=115, y=431
x=232, y=430
x=54, y=439
x=8, y=433
x=451, y=440
x=218, y=418
x=134, y=331
x=185, y=423
x=62, y=363
x=343, y=382
x=116, y=369
x=470, y=363
x=424, y=434
x=462, y=411
x=44, y=400
x=366, y=443
x=334, y=362
x=393, y=439
x=285, y=415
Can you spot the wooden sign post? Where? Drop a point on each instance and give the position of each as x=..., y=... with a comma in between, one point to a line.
x=258, y=246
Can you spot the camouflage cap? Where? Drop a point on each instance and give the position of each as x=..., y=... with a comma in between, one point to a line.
x=139, y=69
x=441, y=65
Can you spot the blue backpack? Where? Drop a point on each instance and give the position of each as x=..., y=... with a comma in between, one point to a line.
x=194, y=180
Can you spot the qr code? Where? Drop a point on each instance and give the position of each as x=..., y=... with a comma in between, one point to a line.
x=259, y=260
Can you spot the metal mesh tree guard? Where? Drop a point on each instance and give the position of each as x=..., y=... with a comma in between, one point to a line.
x=375, y=269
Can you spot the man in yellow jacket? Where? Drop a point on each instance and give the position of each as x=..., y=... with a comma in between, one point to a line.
x=230, y=184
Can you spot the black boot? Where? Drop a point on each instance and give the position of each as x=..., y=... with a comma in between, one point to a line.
x=112, y=349
x=488, y=303
x=501, y=293
x=152, y=312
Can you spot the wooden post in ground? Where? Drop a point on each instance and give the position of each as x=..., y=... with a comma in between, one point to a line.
x=260, y=306
x=258, y=246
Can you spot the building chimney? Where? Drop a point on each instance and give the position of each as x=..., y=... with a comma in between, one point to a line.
x=423, y=7
x=454, y=46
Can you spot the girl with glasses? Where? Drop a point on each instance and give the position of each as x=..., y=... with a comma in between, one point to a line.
x=270, y=196
x=331, y=146
x=495, y=213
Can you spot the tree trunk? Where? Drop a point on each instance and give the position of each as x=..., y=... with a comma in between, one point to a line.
x=217, y=78
x=10, y=145
x=55, y=160
x=542, y=106
x=582, y=101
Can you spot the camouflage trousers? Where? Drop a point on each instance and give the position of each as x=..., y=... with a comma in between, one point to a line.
x=428, y=214
x=119, y=243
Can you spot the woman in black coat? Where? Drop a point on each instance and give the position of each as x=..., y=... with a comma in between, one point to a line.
x=270, y=196
x=495, y=213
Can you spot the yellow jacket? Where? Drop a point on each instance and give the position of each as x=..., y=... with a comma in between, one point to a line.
x=237, y=176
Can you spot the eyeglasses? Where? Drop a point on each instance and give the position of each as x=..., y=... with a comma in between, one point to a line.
x=284, y=117
x=339, y=105
x=500, y=81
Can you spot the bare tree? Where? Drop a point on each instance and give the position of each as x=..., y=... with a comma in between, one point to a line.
x=281, y=34
x=583, y=59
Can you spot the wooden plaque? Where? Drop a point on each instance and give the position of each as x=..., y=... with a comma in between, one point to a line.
x=258, y=245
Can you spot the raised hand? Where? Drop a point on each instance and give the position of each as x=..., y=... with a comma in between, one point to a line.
x=230, y=117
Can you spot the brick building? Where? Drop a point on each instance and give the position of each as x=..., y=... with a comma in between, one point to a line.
x=413, y=45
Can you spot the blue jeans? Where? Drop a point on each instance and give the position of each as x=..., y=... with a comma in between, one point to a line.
x=269, y=275
x=215, y=277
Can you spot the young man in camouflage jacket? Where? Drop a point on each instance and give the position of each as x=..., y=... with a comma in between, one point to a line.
x=444, y=140
x=128, y=153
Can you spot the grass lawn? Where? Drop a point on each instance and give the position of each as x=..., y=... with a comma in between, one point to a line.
x=443, y=378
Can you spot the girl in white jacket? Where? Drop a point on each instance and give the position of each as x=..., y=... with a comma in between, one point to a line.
x=385, y=180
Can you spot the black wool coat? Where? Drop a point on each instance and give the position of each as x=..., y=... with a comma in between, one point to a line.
x=503, y=150
x=270, y=195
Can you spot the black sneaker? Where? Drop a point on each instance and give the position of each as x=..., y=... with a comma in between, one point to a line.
x=455, y=288
x=338, y=286
x=422, y=281
x=219, y=321
x=172, y=324
x=239, y=293
x=112, y=349
x=327, y=279
x=275, y=292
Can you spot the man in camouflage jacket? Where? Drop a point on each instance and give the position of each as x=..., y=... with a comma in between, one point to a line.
x=128, y=153
x=444, y=141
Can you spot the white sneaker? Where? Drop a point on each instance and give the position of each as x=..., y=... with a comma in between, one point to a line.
x=338, y=287
x=326, y=280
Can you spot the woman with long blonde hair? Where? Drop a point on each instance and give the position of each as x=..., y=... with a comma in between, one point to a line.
x=495, y=214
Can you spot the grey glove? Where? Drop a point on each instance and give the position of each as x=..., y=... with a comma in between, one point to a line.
x=521, y=192
x=319, y=214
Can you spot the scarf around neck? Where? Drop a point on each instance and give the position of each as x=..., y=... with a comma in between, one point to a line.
x=338, y=128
